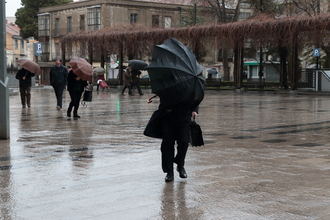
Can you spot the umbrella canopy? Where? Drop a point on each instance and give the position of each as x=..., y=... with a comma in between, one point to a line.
x=99, y=70
x=82, y=68
x=137, y=64
x=29, y=65
x=212, y=71
x=175, y=75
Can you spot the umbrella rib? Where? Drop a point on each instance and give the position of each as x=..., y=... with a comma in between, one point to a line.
x=172, y=52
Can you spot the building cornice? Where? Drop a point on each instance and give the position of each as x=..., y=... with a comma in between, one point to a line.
x=90, y=3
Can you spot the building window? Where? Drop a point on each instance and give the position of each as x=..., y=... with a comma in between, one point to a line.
x=133, y=18
x=57, y=26
x=82, y=22
x=245, y=5
x=22, y=44
x=43, y=25
x=244, y=15
x=155, y=21
x=69, y=24
x=16, y=44
x=167, y=22
x=93, y=18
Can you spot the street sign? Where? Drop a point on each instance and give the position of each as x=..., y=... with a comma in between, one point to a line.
x=316, y=52
x=37, y=49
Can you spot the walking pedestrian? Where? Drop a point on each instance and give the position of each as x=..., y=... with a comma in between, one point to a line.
x=174, y=127
x=58, y=79
x=135, y=74
x=127, y=79
x=76, y=88
x=24, y=76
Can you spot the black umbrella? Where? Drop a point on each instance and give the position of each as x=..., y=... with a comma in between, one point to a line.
x=137, y=64
x=175, y=75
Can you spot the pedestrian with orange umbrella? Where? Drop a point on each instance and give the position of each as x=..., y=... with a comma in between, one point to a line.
x=80, y=73
x=24, y=75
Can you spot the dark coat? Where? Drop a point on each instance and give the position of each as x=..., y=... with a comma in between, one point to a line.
x=174, y=117
x=127, y=78
x=27, y=74
x=135, y=74
x=75, y=85
x=58, y=76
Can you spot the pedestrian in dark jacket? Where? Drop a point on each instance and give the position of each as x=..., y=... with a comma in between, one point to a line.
x=58, y=79
x=76, y=88
x=24, y=76
x=127, y=79
x=136, y=79
x=175, y=128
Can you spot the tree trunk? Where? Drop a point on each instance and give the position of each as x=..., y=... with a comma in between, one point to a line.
x=238, y=58
x=102, y=58
x=283, y=52
x=226, y=71
x=63, y=52
x=90, y=52
x=121, y=59
x=293, y=64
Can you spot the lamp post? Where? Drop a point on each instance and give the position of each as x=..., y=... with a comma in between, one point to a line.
x=4, y=94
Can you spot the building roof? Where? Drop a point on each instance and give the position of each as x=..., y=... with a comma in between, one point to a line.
x=12, y=28
x=178, y=2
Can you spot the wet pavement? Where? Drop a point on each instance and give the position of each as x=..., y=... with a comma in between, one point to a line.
x=266, y=157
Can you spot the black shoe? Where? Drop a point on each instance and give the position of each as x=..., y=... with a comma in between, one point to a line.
x=182, y=172
x=76, y=116
x=68, y=114
x=169, y=177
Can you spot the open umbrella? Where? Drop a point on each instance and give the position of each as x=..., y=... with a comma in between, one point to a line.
x=137, y=64
x=82, y=68
x=99, y=70
x=29, y=65
x=175, y=75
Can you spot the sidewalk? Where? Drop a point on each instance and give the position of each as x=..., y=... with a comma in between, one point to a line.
x=266, y=157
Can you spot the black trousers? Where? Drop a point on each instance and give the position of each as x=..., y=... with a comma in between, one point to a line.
x=127, y=87
x=59, y=94
x=25, y=92
x=75, y=101
x=137, y=85
x=174, y=129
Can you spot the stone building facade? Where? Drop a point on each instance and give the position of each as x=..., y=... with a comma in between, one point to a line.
x=16, y=46
x=57, y=21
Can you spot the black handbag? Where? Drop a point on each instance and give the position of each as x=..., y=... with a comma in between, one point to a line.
x=154, y=126
x=196, y=134
x=88, y=96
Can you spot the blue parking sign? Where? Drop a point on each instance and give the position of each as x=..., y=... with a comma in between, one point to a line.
x=37, y=49
x=316, y=52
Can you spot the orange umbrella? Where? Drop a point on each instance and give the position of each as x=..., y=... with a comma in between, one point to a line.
x=81, y=68
x=29, y=65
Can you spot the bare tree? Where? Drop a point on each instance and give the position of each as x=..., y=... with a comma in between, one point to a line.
x=309, y=7
x=224, y=11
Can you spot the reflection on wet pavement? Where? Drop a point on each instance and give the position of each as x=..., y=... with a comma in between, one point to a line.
x=266, y=157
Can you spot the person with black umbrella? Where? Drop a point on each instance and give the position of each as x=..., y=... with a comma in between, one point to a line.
x=176, y=78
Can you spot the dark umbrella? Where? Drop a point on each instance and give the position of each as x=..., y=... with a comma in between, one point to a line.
x=175, y=75
x=137, y=64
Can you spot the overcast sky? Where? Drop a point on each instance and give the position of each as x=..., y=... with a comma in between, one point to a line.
x=11, y=7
